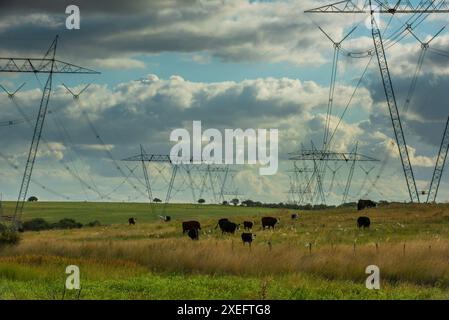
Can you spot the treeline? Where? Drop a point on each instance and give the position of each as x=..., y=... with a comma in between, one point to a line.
x=39, y=224
x=282, y=205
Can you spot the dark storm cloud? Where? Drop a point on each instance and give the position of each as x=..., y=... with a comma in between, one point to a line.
x=108, y=6
x=230, y=30
x=427, y=112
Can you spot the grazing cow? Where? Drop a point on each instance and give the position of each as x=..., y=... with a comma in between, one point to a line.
x=193, y=234
x=165, y=218
x=295, y=216
x=132, y=221
x=248, y=238
x=269, y=222
x=364, y=222
x=247, y=225
x=189, y=225
x=228, y=227
x=362, y=204
x=221, y=221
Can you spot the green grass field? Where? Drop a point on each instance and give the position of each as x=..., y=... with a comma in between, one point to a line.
x=323, y=255
x=113, y=213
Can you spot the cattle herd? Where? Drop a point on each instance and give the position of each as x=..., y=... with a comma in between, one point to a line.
x=228, y=227
x=192, y=228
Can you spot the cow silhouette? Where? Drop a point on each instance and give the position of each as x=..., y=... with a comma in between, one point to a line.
x=363, y=222
x=189, y=225
x=269, y=222
x=363, y=204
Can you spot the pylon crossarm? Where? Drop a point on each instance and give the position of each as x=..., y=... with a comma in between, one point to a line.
x=31, y=65
x=322, y=155
x=150, y=158
x=404, y=7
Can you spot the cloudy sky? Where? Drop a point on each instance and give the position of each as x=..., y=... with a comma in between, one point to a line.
x=230, y=64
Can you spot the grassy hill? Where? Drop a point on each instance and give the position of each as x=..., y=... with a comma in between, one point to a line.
x=322, y=255
x=109, y=212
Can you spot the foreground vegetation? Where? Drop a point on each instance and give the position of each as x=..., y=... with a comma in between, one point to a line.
x=322, y=255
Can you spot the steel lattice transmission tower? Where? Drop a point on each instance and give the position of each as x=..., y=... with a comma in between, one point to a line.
x=382, y=7
x=46, y=65
x=325, y=156
x=217, y=188
x=439, y=166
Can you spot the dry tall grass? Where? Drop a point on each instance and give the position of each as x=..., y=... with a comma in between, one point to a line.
x=419, y=264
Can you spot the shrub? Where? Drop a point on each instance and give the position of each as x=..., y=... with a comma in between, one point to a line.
x=37, y=224
x=67, y=224
x=95, y=223
x=9, y=237
x=2, y=227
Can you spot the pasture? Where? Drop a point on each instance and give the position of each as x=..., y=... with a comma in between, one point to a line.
x=321, y=255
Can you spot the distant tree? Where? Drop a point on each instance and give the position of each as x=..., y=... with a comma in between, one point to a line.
x=248, y=203
x=32, y=199
x=37, y=224
x=319, y=207
x=66, y=224
x=235, y=201
x=157, y=200
x=308, y=207
x=225, y=203
x=201, y=201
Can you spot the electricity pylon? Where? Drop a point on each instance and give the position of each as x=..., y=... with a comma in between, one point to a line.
x=439, y=166
x=399, y=7
x=46, y=65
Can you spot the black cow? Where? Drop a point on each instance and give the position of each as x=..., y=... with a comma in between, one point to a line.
x=220, y=222
x=228, y=227
x=193, y=234
x=247, y=225
x=248, y=238
x=295, y=216
x=132, y=221
x=362, y=204
x=364, y=222
x=189, y=225
x=269, y=222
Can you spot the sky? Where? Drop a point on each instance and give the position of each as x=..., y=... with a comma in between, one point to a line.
x=229, y=64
